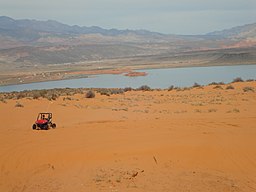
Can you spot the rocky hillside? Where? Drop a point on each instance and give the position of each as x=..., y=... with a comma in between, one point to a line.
x=30, y=42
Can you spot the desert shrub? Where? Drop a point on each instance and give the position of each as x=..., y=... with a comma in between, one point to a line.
x=43, y=93
x=186, y=88
x=178, y=89
x=104, y=92
x=250, y=80
x=247, y=89
x=196, y=85
x=52, y=96
x=144, y=88
x=126, y=89
x=36, y=95
x=21, y=95
x=230, y=87
x=238, y=79
x=171, y=88
x=217, y=87
x=90, y=94
x=77, y=91
x=19, y=105
x=182, y=88
x=109, y=92
x=9, y=96
x=216, y=83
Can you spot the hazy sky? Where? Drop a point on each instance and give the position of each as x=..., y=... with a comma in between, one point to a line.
x=165, y=16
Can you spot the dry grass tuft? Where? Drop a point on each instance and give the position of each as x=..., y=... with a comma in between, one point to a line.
x=230, y=87
x=19, y=105
x=217, y=87
x=212, y=110
x=248, y=89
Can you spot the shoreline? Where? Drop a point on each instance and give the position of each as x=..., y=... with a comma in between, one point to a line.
x=138, y=71
x=114, y=91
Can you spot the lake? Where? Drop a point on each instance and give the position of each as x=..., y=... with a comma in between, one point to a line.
x=156, y=78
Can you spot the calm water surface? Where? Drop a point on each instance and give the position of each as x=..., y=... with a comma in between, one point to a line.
x=156, y=78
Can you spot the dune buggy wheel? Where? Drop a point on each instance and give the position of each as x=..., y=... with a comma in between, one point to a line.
x=45, y=127
x=53, y=125
x=34, y=126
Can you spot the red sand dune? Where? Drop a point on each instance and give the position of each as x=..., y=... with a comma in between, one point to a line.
x=193, y=140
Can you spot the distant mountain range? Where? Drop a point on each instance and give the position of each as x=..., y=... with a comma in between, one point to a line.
x=27, y=42
x=32, y=30
x=29, y=30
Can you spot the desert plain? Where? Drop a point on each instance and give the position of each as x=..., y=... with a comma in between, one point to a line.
x=180, y=140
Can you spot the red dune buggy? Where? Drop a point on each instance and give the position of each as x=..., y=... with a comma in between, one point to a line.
x=44, y=121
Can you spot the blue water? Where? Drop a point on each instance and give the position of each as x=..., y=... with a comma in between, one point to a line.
x=156, y=78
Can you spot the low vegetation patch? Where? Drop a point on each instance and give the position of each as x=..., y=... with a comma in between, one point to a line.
x=116, y=91
x=21, y=95
x=50, y=94
x=109, y=92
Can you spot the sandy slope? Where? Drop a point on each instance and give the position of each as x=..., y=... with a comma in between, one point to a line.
x=193, y=140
